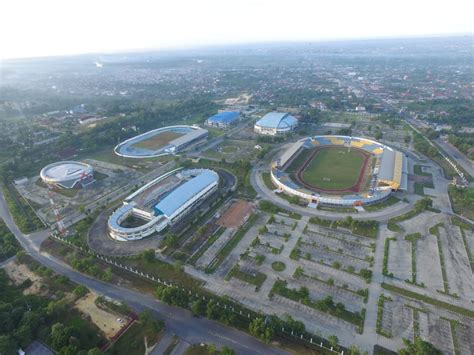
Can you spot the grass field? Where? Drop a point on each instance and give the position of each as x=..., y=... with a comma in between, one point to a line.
x=334, y=168
x=157, y=141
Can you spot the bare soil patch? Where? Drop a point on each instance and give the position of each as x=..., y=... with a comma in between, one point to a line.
x=235, y=215
x=107, y=322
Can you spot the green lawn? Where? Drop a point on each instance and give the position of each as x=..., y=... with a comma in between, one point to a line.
x=133, y=341
x=462, y=201
x=334, y=168
x=378, y=206
x=256, y=279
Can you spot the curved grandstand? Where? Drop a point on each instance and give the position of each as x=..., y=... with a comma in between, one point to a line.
x=67, y=174
x=161, y=141
x=161, y=203
x=275, y=123
x=339, y=170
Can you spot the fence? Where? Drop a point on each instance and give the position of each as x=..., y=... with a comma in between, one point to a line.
x=305, y=338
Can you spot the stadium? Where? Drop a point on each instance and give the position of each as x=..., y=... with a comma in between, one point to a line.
x=161, y=203
x=161, y=141
x=276, y=123
x=223, y=119
x=339, y=171
x=67, y=174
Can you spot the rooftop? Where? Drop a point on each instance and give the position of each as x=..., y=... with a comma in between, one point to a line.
x=178, y=197
x=277, y=120
x=225, y=117
x=64, y=170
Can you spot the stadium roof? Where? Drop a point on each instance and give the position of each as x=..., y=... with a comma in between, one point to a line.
x=392, y=168
x=277, y=120
x=225, y=117
x=178, y=197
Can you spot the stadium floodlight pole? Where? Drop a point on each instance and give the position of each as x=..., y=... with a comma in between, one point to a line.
x=59, y=219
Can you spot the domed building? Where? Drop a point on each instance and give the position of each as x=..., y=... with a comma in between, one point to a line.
x=276, y=123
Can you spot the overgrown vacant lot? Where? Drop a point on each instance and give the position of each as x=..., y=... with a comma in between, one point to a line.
x=334, y=168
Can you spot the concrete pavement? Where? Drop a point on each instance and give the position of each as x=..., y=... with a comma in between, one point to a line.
x=177, y=320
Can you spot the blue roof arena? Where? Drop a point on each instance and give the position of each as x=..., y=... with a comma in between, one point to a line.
x=161, y=203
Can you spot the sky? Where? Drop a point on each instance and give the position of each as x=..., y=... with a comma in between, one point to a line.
x=30, y=28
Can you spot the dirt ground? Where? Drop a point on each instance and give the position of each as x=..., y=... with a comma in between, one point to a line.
x=158, y=141
x=235, y=215
x=107, y=322
x=19, y=273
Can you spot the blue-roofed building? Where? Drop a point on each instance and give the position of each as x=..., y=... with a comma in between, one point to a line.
x=276, y=123
x=185, y=195
x=160, y=203
x=223, y=119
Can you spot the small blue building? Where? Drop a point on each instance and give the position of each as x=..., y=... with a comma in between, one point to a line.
x=223, y=119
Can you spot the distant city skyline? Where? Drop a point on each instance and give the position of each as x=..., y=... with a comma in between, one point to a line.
x=51, y=27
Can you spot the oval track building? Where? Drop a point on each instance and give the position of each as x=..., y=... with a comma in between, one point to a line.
x=161, y=141
x=67, y=174
x=161, y=203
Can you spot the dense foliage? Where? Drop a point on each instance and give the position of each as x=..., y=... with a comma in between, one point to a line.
x=24, y=318
x=8, y=244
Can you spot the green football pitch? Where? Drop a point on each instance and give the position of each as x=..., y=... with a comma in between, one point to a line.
x=334, y=168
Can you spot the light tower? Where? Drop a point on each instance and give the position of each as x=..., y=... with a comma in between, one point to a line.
x=59, y=219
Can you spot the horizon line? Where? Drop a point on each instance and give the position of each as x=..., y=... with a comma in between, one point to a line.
x=238, y=43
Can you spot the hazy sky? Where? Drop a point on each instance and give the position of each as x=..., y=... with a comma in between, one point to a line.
x=52, y=27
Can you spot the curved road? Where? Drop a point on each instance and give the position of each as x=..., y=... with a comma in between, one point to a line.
x=177, y=320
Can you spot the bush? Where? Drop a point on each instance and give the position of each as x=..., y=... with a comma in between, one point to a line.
x=278, y=266
x=81, y=291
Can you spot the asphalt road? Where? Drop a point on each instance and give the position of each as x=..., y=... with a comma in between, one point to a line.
x=177, y=320
x=455, y=154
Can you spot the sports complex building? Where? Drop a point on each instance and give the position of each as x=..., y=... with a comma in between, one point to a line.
x=161, y=203
x=161, y=141
x=67, y=174
x=223, y=119
x=339, y=171
x=276, y=123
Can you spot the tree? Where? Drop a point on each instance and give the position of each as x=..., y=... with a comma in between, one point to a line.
x=60, y=336
x=212, y=310
x=7, y=345
x=148, y=255
x=198, y=307
x=80, y=291
x=211, y=349
x=94, y=351
x=333, y=340
x=24, y=335
x=259, y=329
x=354, y=350
x=147, y=319
x=173, y=295
x=227, y=351
x=418, y=347
x=171, y=240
